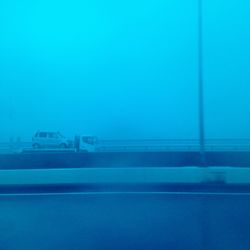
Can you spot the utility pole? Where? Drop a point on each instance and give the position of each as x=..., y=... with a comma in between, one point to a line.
x=201, y=84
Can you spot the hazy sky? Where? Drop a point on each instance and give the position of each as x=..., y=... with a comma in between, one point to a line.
x=123, y=69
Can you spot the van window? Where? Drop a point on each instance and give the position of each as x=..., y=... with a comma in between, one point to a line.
x=52, y=135
x=43, y=135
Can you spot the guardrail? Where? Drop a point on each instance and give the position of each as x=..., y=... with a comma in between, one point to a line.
x=145, y=145
x=14, y=146
x=173, y=145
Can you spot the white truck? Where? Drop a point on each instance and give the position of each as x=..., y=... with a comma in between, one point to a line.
x=86, y=143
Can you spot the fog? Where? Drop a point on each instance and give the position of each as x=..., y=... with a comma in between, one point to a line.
x=123, y=69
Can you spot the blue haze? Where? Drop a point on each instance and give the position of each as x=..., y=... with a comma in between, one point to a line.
x=123, y=69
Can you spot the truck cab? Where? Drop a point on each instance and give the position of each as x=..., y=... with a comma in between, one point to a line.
x=87, y=143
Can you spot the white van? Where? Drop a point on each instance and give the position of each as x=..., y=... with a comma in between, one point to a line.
x=44, y=139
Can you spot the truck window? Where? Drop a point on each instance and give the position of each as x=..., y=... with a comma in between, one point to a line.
x=89, y=139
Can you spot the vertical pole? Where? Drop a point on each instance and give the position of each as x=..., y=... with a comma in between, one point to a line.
x=201, y=84
x=204, y=211
x=11, y=118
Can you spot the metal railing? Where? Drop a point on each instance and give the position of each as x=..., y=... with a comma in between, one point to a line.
x=146, y=145
x=14, y=146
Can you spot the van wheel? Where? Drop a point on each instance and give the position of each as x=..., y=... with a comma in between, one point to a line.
x=63, y=145
x=36, y=146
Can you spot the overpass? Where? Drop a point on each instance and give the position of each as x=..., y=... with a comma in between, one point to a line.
x=125, y=208
x=155, y=198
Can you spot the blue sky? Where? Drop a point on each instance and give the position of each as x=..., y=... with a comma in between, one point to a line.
x=123, y=69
